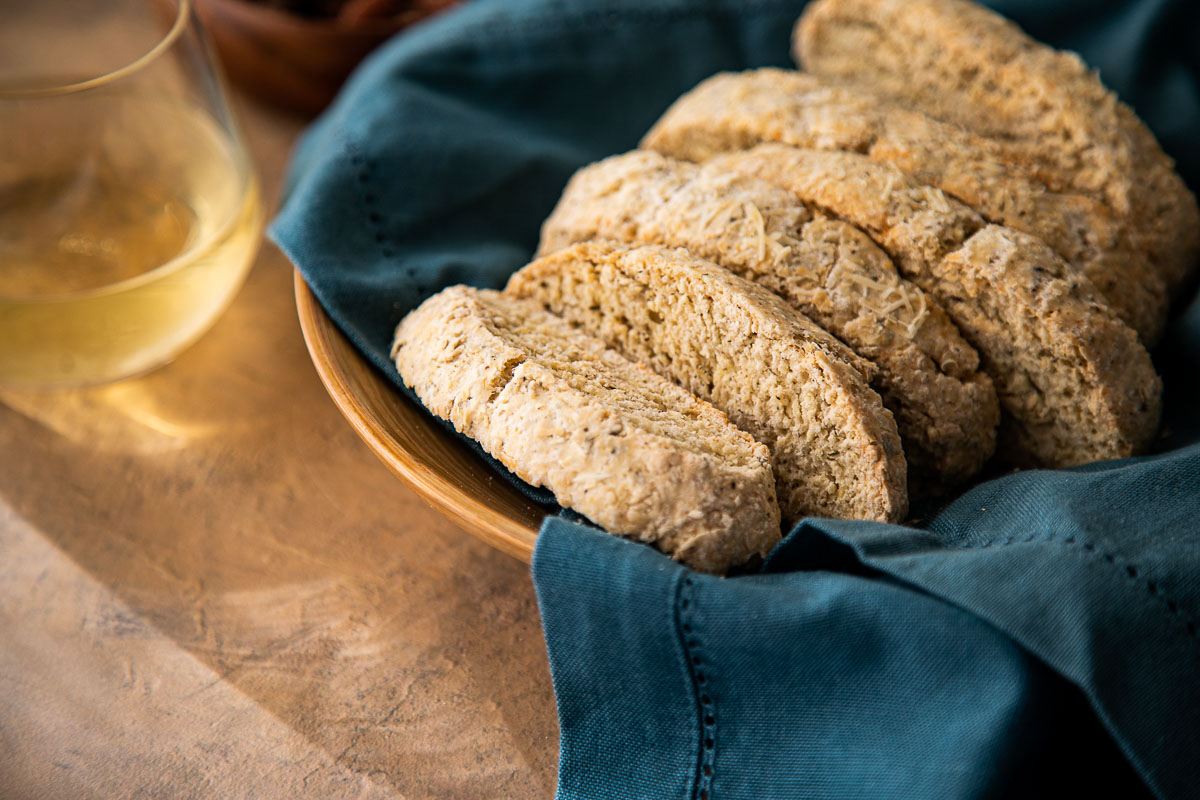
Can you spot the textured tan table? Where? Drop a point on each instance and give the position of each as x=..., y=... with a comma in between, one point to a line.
x=210, y=588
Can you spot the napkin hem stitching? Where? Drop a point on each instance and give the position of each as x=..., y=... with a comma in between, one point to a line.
x=706, y=704
x=1127, y=567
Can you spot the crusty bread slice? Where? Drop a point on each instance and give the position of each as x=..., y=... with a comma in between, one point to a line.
x=613, y=440
x=945, y=409
x=961, y=62
x=834, y=446
x=734, y=111
x=1075, y=384
x=1088, y=391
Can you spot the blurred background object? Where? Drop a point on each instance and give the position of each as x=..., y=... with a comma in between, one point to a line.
x=297, y=53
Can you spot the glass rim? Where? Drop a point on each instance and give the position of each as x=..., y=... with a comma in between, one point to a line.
x=7, y=92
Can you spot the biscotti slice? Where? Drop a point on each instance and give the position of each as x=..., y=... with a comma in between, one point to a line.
x=1088, y=391
x=834, y=446
x=1075, y=384
x=945, y=409
x=964, y=63
x=612, y=439
x=734, y=111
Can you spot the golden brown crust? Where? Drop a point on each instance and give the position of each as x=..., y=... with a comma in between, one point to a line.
x=945, y=408
x=835, y=448
x=622, y=445
x=738, y=110
x=1035, y=322
x=963, y=63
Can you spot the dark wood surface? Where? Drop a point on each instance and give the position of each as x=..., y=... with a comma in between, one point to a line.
x=210, y=587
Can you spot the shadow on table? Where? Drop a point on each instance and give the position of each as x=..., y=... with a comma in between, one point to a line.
x=225, y=500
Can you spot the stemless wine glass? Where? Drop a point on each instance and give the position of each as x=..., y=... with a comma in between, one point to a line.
x=129, y=213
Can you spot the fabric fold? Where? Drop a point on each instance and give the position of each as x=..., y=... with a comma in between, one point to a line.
x=1104, y=595
x=811, y=683
x=631, y=690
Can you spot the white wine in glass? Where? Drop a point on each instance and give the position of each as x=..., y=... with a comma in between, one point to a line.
x=128, y=210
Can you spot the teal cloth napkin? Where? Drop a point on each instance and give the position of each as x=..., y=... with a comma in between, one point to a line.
x=1039, y=636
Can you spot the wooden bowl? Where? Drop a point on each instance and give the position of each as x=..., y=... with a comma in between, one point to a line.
x=288, y=60
x=434, y=464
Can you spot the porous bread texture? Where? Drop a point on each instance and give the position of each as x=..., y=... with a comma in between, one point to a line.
x=734, y=111
x=1075, y=381
x=834, y=446
x=613, y=440
x=1074, y=386
x=966, y=64
x=945, y=409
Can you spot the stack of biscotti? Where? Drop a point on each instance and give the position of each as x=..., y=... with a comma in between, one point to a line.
x=814, y=293
x=826, y=269
x=661, y=396
x=1000, y=177
x=564, y=411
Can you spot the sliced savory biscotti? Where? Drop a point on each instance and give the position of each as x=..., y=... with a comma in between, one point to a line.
x=612, y=439
x=1075, y=383
x=945, y=408
x=834, y=446
x=958, y=61
x=734, y=111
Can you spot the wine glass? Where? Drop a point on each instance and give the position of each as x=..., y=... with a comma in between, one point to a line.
x=129, y=213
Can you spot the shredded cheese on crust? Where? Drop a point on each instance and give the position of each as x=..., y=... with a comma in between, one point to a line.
x=886, y=194
x=717, y=210
x=760, y=225
x=889, y=297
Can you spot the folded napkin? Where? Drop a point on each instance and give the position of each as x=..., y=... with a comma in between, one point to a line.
x=1039, y=636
